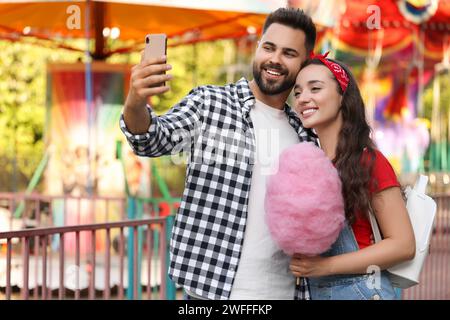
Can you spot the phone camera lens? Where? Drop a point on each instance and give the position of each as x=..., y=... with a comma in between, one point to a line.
x=147, y=40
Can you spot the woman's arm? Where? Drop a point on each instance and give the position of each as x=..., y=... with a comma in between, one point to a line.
x=398, y=242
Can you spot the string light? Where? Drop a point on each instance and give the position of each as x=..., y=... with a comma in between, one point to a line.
x=106, y=32
x=251, y=29
x=115, y=33
x=432, y=178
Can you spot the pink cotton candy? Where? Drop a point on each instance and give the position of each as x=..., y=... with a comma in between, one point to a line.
x=304, y=203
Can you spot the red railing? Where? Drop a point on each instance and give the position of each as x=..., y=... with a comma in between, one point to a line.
x=39, y=210
x=43, y=251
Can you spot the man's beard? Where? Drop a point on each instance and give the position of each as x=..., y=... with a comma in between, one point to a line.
x=269, y=87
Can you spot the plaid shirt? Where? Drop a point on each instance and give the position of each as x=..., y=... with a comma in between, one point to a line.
x=212, y=125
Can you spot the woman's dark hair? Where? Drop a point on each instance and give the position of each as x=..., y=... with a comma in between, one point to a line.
x=354, y=168
x=296, y=19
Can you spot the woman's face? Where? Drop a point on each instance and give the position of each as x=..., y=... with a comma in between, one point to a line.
x=317, y=101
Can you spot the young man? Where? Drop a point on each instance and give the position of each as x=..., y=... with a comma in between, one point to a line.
x=220, y=246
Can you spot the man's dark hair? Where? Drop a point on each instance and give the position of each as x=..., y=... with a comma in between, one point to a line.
x=296, y=19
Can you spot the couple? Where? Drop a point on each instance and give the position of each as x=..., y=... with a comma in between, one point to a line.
x=220, y=246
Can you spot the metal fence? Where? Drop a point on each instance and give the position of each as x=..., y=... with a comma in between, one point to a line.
x=37, y=261
x=33, y=210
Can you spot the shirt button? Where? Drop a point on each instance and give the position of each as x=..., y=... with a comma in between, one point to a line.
x=376, y=297
x=231, y=268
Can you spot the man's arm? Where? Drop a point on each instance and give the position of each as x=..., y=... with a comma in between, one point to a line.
x=151, y=135
x=145, y=77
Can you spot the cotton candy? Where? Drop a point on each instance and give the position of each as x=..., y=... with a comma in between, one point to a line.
x=304, y=203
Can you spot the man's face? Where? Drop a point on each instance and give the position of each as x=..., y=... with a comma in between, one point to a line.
x=278, y=57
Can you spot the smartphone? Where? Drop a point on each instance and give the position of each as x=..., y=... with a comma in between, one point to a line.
x=155, y=47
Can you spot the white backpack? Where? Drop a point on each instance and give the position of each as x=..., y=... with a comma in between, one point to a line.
x=422, y=212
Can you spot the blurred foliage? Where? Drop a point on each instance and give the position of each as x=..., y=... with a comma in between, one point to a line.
x=444, y=99
x=438, y=153
x=22, y=109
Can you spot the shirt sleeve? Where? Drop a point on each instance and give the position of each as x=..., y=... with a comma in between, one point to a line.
x=383, y=175
x=169, y=133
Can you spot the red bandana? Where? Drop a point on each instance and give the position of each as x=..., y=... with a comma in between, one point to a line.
x=339, y=73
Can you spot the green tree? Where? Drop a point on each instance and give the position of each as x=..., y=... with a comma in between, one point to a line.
x=22, y=109
x=437, y=157
x=444, y=99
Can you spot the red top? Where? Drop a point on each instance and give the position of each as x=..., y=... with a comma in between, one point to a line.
x=384, y=175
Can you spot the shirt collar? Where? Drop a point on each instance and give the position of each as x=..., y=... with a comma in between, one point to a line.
x=246, y=97
x=248, y=100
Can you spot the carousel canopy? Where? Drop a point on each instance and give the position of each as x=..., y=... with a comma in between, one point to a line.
x=355, y=27
x=183, y=21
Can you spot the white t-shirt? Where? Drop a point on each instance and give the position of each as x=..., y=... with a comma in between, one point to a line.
x=263, y=270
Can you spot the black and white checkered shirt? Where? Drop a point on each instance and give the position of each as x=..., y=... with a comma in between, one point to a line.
x=212, y=126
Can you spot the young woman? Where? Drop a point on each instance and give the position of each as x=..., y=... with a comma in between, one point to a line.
x=328, y=100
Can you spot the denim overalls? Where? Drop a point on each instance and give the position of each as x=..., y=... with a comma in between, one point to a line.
x=348, y=286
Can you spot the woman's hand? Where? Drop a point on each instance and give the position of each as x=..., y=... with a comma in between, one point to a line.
x=305, y=266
